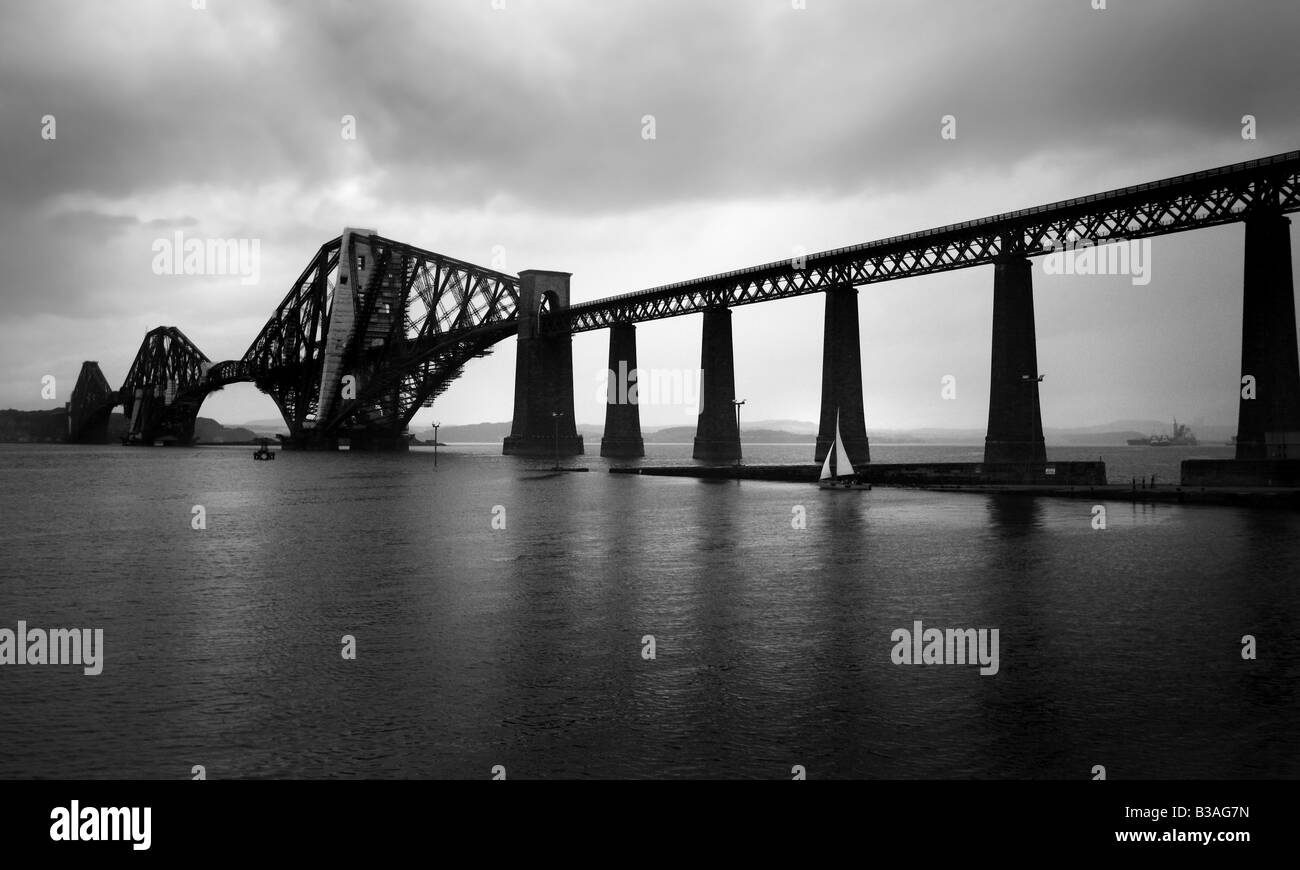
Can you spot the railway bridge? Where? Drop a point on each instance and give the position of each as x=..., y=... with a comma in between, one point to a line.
x=374, y=329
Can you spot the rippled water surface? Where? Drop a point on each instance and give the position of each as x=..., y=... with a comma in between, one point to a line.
x=523, y=646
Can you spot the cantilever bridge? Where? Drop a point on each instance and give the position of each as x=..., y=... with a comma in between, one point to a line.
x=373, y=329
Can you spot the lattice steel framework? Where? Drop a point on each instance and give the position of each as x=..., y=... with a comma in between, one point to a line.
x=163, y=377
x=418, y=320
x=1173, y=205
x=91, y=404
x=435, y=313
x=284, y=360
x=422, y=315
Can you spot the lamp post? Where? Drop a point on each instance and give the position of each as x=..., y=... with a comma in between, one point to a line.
x=556, y=415
x=738, y=403
x=435, y=444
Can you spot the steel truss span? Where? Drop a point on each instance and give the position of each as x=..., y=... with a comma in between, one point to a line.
x=399, y=323
x=1172, y=205
x=413, y=324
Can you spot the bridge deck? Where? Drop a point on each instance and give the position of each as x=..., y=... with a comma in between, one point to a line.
x=1180, y=203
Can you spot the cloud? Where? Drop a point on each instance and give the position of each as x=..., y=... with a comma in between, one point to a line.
x=523, y=128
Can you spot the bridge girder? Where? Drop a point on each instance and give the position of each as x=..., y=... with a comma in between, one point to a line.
x=414, y=317
x=1186, y=202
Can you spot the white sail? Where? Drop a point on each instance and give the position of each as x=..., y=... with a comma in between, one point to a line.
x=826, y=464
x=838, y=454
x=842, y=465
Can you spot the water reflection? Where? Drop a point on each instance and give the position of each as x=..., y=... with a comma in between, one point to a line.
x=521, y=645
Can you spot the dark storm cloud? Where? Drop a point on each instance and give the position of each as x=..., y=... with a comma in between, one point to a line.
x=836, y=99
x=543, y=102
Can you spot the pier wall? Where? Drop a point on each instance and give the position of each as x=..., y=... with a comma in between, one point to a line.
x=1241, y=472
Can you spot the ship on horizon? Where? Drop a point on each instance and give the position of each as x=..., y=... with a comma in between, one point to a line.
x=1182, y=437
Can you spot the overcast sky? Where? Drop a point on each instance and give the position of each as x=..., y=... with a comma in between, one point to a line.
x=522, y=128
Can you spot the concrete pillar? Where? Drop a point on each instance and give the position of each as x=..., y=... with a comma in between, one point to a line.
x=1268, y=337
x=622, y=439
x=543, y=370
x=842, y=379
x=1015, y=432
x=716, y=436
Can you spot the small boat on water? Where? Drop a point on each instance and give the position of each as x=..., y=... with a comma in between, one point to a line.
x=264, y=452
x=837, y=470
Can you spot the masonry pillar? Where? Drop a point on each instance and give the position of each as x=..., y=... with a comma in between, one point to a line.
x=1268, y=338
x=842, y=378
x=716, y=436
x=1015, y=431
x=543, y=370
x=622, y=439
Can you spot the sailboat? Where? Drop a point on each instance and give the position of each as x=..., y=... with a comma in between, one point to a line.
x=837, y=470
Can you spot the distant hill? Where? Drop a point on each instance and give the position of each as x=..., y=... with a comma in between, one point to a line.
x=265, y=428
x=804, y=432
x=479, y=433
x=754, y=435
x=471, y=434
x=52, y=427
x=209, y=431
x=33, y=426
x=798, y=427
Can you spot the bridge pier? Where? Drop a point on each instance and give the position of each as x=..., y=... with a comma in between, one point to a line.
x=622, y=438
x=717, y=438
x=308, y=440
x=378, y=441
x=91, y=406
x=88, y=431
x=543, y=370
x=842, y=379
x=1015, y=431
x=152, y=420
x=1268, y=340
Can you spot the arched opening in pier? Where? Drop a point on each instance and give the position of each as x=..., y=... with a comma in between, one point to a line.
x=231, y=413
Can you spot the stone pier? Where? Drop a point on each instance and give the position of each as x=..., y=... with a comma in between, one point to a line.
x=543, y=370
x=716, y=437
x=842, y=379
x=1268, y=416
x=622, y=438
x=1015, y=431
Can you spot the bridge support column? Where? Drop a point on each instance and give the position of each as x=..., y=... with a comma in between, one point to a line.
x=92, y=430
x=1015, y=432
x=379, y=442
x=308, y=440
x=842, y=379
x=152, y=421
x=622, y=439
x=716, y=437
x=91, y=406
x=543, y=370
x=1268, y=339
x=185, y=426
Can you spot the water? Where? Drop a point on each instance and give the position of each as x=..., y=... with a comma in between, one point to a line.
x=522, y=646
